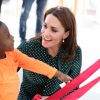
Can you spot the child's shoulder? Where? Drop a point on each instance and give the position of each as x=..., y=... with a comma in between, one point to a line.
x=12, y=53
x=15, y=51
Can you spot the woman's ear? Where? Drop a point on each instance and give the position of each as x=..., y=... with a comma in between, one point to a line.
x=66, y=34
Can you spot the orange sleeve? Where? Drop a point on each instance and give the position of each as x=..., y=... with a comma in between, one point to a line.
x=33, y=64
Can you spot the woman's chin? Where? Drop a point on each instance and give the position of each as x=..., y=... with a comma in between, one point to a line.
x=45, y=46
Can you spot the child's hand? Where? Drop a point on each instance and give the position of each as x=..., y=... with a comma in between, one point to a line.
x=63, y=77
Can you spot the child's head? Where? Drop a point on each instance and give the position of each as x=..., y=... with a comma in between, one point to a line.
x=6, y=39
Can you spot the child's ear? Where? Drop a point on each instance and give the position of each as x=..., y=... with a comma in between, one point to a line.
x=66, y=34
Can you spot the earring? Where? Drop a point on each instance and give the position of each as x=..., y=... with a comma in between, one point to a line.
x=63, y=40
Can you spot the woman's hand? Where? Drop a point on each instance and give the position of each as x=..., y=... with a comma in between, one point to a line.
x=63, y=77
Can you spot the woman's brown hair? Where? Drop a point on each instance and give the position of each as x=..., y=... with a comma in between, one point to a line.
x=67, y=19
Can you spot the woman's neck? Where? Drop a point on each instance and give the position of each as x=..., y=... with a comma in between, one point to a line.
x=53, y=51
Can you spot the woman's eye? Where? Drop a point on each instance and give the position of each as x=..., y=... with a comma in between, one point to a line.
x=54, y=30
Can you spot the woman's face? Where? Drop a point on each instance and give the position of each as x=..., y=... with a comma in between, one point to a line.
x=52, y=32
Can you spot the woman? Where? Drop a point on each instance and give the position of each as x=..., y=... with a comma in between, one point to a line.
x=56, y=46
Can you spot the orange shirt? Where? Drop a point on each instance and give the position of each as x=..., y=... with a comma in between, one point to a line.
x=9, y=82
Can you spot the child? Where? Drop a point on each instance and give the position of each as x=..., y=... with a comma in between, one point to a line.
x=11, y=58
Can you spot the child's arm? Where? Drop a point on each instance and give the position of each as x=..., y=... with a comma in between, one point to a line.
x=37, y=66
